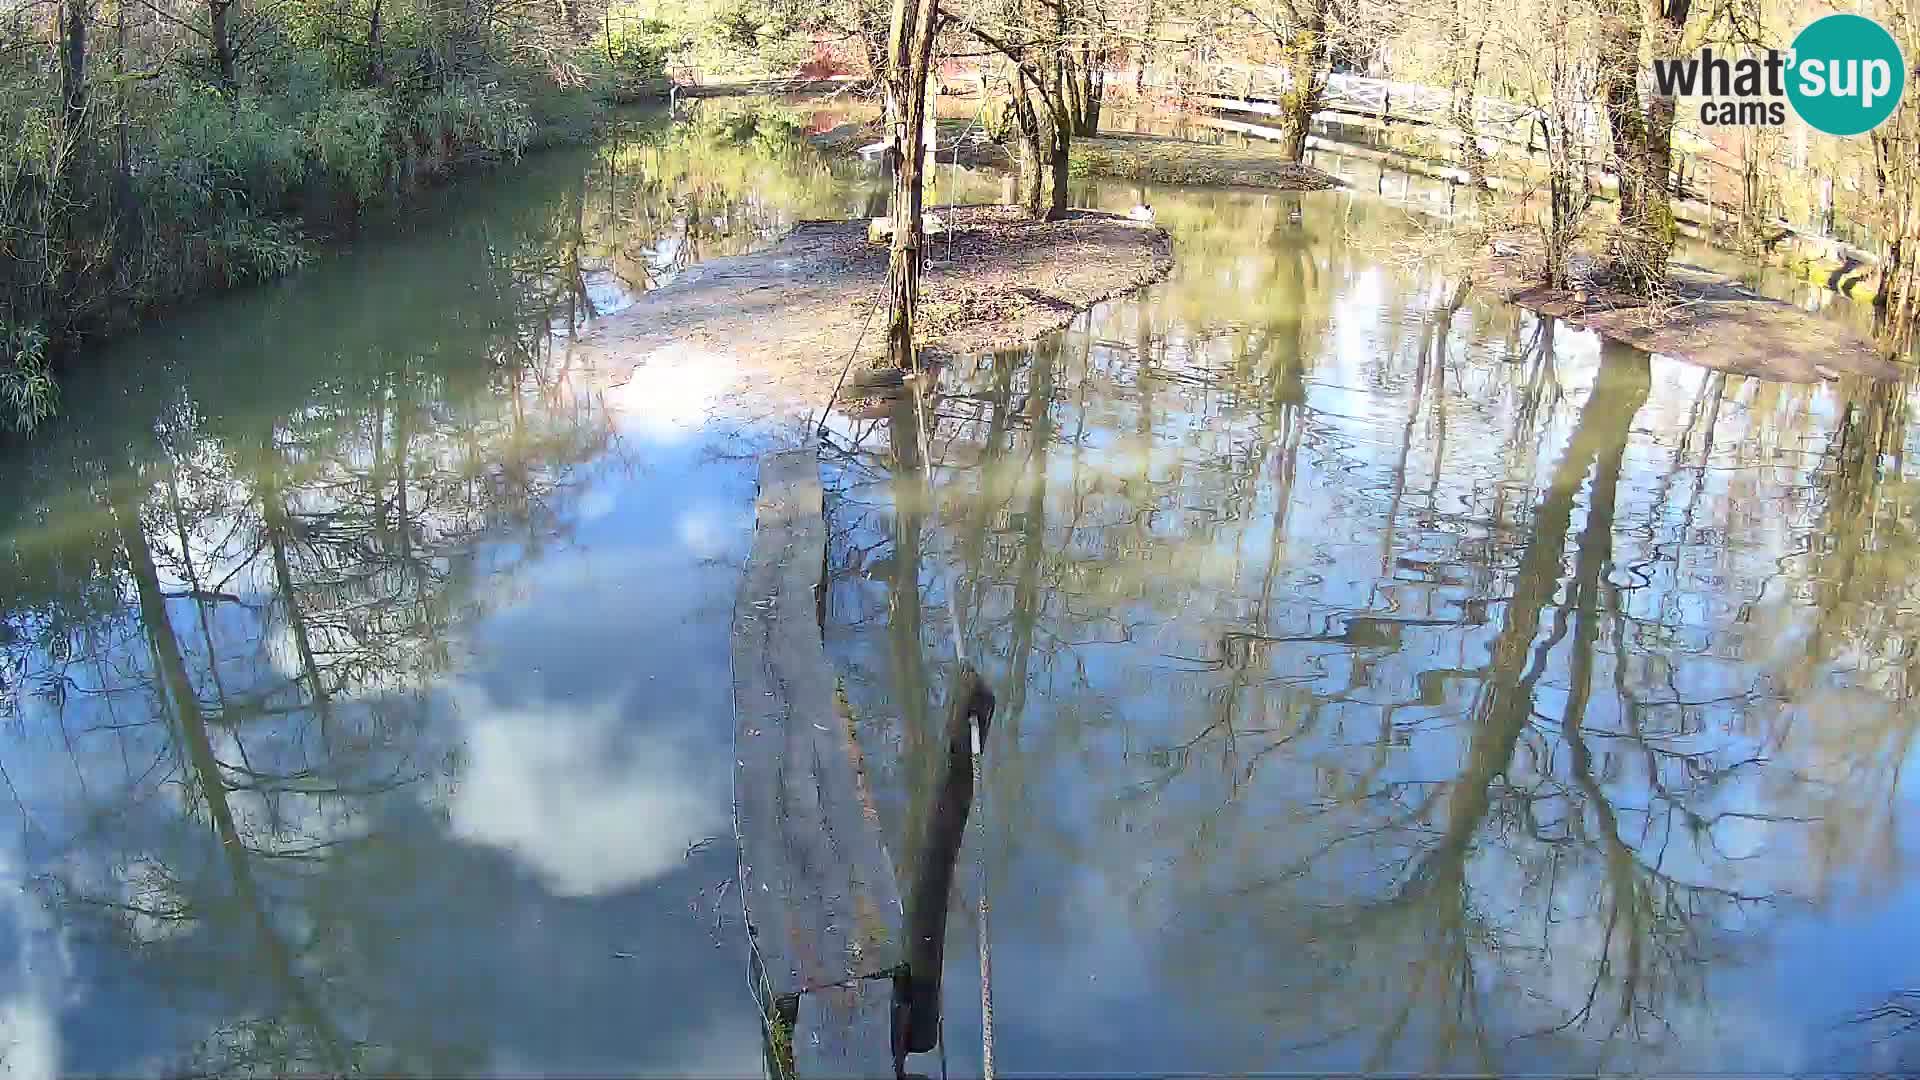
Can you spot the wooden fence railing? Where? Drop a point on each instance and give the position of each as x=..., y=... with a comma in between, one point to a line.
x=1502, y=126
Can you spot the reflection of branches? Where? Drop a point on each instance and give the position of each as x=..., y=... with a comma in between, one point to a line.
x=1902, y=1008
x=234, y=578
x=1506, y=806
x=1481, y=767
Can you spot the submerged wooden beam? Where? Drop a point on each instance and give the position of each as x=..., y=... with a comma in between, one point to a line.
x=822, y=906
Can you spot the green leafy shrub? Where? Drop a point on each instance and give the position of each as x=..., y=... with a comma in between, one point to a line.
x=209, y=151
x=349, y=140
x=640, y=46
x=243, y=250
x=170, y=187
x=28, y=393
x=475, y=119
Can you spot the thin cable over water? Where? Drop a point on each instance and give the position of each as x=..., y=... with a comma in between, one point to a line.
x=986, y=955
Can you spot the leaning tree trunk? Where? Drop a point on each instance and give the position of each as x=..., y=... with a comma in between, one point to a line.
x=909, y=53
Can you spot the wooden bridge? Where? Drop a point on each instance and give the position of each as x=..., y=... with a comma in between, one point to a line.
x=1379, y=102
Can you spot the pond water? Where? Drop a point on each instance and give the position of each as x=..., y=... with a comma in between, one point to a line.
x=1387, y=679
x=1392, y=680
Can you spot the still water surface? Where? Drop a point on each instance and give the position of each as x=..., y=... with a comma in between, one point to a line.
x=1392, y=680
x=1388, y=679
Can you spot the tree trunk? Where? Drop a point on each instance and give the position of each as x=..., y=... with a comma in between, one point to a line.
x=909, y=54
x=1070, y=72
x=1059, y=139
x=1033, y=144
x=1306, y=58
x=376, y=50
x=222, y=44
x=1469, y=49
x=1896, y=151
x=1054, y=93
x=1642, y=136
x=1096, y=98
x=126, y=213
x=1084, y=82
x=73, y=65
x=67, y=188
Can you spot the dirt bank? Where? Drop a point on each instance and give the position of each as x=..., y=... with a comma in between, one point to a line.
x=1705, y=319
x=770, y=333
x=957, y=139
x=1165, y=160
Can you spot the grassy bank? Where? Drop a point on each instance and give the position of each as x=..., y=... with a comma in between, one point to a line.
x=160, y=172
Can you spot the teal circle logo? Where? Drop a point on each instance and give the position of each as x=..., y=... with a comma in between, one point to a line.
x=1846, y=74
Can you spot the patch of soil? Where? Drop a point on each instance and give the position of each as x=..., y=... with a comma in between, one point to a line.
x=1167, y=160
x=961, y=137
x=784, y=322
x=1703, y=318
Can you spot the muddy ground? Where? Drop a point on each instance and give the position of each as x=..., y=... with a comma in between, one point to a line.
x=1704, y=318
x=1160, y=159
x=776, y=329
x=957, y=140
x=1166, y=160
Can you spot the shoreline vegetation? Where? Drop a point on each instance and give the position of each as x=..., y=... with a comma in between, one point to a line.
x=154, y=153
x=967, y=306
x=155, y=150
x=242, y=191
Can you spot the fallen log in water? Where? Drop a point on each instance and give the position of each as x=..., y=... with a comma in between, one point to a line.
x=822, y=906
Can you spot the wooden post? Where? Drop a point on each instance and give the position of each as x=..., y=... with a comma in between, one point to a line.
x=917, y=1019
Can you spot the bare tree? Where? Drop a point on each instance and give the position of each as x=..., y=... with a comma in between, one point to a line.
x=909, y=55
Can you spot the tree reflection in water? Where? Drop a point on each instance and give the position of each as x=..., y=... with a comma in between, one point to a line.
x=1388, y=679
x=239, y=583
x=1401, y=682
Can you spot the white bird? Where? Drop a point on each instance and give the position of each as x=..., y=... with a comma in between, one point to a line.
x=873, y=150
x=1143, y=212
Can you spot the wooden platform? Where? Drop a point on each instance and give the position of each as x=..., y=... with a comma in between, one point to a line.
x=823, y=908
